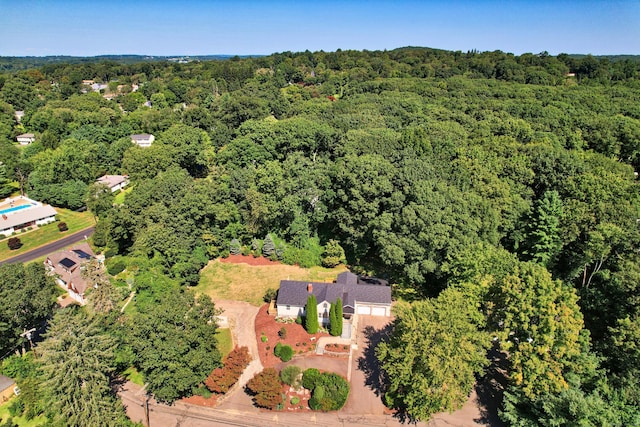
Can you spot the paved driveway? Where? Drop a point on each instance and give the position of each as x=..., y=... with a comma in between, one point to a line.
x=365, y=397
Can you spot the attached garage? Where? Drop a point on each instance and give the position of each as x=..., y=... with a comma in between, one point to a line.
x=364, y=309
x=378, y=311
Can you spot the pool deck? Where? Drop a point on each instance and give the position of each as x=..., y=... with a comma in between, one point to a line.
x=17, y=201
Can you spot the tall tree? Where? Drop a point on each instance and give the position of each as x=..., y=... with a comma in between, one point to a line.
x=543, y=241
x=76, y=361
x=28, y=298
x=311, y=315
x=175, y=343
x=433, y=354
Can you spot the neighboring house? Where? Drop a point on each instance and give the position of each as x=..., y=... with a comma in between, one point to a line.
x=7, y=388
x=20, y=212
x=143, y=140
x=19, y=115
x=67, y=267
x=114, y=182
x=26, y=138
x=359, y=296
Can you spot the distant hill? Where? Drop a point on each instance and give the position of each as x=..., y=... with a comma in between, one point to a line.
x=612, y=58
x=15, y=63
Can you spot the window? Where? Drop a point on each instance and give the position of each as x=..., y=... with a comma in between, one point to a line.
x=325, y=305
x=288, y=307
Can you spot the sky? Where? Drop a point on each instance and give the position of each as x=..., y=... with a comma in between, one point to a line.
x=256, y=27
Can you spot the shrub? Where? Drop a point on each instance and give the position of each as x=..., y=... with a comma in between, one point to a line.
x=222, y=379
x=234, y=247
x=284, y=352
x=268, y=247
x=289, y=375
x=266, y=388
x=62, y=226
x=264, y=338
x=116, y=267
x=299, y=320
x=282, y=333
x=246, y=250
x=14, y=243
x=111, y=252
x=270, y=295
x=309, y=378
x=330, y=392
x=295, y=400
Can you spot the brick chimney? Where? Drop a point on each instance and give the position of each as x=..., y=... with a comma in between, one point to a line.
x=310, y=287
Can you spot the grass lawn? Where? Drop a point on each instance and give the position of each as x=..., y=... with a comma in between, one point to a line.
x=242, y=282
x=225, y=342
x=76, y=221
x=20, y=421
x=134, y=376
x=119, y=199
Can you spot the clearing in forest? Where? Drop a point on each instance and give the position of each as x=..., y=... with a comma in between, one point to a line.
x=243, y=282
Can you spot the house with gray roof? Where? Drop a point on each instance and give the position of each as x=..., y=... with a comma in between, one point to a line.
x=359, y=295
x=114, y=182
x=18, y=213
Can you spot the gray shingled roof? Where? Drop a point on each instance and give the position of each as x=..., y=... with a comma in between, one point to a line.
x=5, y=383
x=348, y=286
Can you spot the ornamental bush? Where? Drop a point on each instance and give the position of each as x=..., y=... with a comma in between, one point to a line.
x=289, y=375
x=14, y=243
x=222, y=379
x=265, y=388
x=62, y=226
x=330, y=392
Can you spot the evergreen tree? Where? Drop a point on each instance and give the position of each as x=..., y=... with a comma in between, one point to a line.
x=234, y=247
x=339, y=316
x=268, y=248
x=543, y=238
x=77, y=362
x=311, y=313
x=332, y=320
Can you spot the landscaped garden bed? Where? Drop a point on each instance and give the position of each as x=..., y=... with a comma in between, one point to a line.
x=269, y=332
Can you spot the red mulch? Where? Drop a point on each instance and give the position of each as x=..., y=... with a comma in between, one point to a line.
x=248, y=259
x=202, y=401
x=303, y=395
x=296, y=337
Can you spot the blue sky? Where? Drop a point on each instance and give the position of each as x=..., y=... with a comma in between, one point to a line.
x=199, y=27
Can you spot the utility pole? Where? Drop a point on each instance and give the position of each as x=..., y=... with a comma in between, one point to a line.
x=28, y=335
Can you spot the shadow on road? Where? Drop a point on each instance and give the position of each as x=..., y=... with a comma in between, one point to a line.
x=490, y=387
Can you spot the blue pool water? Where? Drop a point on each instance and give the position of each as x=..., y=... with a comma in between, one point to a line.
x=13, y=209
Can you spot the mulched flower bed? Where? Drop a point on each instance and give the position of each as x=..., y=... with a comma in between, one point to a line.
x=248, y=259
x=202, y=401
x=303, y=395
x=337, y=348
x=299, y=340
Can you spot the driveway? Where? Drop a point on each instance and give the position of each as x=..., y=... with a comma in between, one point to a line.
x=242, y=318
x=365, y=397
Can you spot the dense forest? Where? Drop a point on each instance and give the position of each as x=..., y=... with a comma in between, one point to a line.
x=496, y=192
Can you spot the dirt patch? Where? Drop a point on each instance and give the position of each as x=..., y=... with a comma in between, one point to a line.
x=248, y=259
x=296, y=337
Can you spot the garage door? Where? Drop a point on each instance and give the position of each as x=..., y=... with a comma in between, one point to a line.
x=379, y=311
x=364, y=309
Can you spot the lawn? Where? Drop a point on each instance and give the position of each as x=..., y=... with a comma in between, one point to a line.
x=225, y=342
x=76, y=221
x=242, y=282
x=20, y=421
x=133, y=375
x=119, y=199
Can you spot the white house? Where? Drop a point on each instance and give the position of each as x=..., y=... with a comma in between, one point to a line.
x=26, y=138
x=359, y=296
x=19, y=114
x=143, y=139
x=67, y=267
x=114, y=182
x=20, y=212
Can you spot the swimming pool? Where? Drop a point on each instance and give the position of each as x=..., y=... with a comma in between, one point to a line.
x=13, y=209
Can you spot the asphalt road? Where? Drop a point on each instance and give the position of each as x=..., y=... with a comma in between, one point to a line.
x=50, y=247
